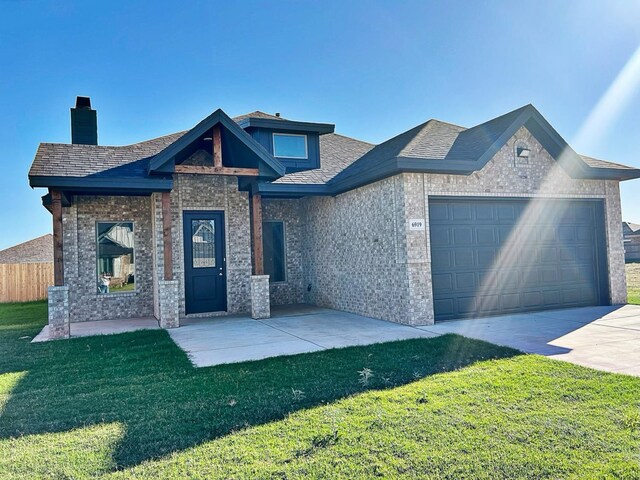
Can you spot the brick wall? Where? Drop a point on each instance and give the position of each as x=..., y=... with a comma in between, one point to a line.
x=288, y=211
x=80, y=257
x=209, y=192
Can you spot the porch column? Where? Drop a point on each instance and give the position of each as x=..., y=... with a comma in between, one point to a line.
x=260, y=302
x=58, y=294
x=58, y=263
x=168, y=290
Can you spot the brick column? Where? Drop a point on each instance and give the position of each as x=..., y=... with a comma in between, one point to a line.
x=168, y=304
x=58, y=312
x=260, y=304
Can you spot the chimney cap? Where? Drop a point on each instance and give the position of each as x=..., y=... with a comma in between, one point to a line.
x=83, y=102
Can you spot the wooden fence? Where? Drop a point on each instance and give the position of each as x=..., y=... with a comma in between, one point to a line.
x=22, y=282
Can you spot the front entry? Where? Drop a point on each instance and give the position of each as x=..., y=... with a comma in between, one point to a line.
x=205, y=274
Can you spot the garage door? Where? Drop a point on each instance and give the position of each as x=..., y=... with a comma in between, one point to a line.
x=495, y=256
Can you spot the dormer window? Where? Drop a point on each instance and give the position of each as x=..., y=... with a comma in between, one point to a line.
x=288, y=145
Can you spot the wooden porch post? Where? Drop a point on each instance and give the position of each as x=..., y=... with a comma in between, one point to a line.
x=166, y=235
x=217, y=147
x=256, y=223
x=58, y=262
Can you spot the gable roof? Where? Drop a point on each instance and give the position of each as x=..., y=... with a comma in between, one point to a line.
x=38, y=250
x=431, y=147
x=164, y=161
x=439, y=147
x=630, y=229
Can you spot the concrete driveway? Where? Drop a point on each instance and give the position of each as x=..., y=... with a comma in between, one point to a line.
x=605, y=338
x=291, y=330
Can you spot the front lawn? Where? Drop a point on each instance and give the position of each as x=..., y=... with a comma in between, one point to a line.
x=633, y=283
x=132, y=406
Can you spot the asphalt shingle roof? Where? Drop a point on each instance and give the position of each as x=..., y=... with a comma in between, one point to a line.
x=337, y=152
x=38, y=250
x=631, y=228
x=432, y=140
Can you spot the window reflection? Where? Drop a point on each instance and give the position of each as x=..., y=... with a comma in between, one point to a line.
x=203, y=243
x=116, y=268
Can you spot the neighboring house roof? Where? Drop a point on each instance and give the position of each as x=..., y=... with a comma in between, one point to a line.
x=630, y=229
x=38, y=250
x=346, y=163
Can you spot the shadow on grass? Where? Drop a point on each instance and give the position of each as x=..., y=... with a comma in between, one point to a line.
x=145, y=382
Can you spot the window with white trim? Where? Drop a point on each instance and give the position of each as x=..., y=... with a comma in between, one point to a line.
x=289, y=145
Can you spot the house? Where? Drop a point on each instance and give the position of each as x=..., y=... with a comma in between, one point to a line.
x=239, y=214
x=38, y=250
x=631, y=235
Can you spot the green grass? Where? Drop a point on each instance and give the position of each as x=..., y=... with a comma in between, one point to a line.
x=132, y=406
x=633, y=283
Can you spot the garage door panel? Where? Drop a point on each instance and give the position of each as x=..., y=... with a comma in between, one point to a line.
x=506, y=212
x=441, y=259
x=440, y=236
x=463, y=257
x=446, y=306
x=462, y=236
x=485, y=236
x=485, y=212
x=466, y=281
x=461, y=211
x=466, y=305
x=442, y=282
x=491, y=256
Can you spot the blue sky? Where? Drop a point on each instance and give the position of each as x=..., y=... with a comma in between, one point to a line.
x=374, y=69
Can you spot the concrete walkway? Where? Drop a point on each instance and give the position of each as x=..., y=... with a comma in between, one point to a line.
x=605, y=338
x=102, y=327
x=291, y=330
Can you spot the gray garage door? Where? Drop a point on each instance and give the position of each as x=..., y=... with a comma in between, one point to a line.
x=495, y=256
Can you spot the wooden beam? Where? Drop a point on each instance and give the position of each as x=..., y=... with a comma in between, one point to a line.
x=58, y=262
x=217, y=146
x=166, y=236
x=204, y=170
x=256, y=232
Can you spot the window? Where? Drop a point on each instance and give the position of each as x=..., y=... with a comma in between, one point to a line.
x=203, y=246
x=116, y=267
x=289, y=145
x=273, y=250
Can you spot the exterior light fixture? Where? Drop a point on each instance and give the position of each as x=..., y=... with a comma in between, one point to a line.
x=207, y=139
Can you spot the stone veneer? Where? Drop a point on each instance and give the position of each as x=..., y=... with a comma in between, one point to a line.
x=58, y=303
x=260, y=304
x=168, y=304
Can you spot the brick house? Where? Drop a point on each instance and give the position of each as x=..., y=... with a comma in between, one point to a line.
x=631, y=237
x=239, y=214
